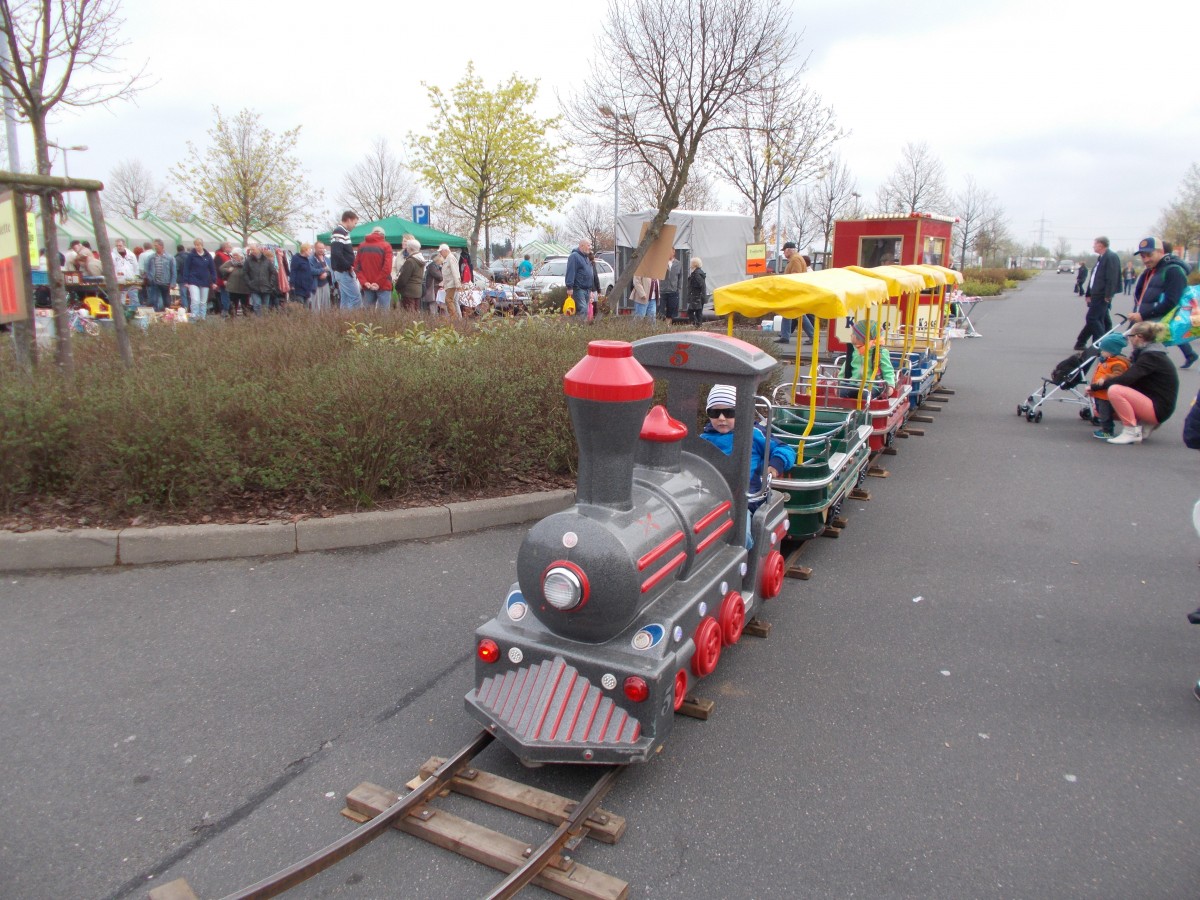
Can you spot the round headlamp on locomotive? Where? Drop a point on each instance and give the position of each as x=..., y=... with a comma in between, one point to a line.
x=626, y=599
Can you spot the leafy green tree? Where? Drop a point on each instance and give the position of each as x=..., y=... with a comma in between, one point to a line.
x=248, y=177
x=489, y=157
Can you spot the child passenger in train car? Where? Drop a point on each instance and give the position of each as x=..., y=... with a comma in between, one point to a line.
x=718, y=431
x=863, y=351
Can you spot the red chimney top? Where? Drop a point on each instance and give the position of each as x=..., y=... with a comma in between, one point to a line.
x=609, y=374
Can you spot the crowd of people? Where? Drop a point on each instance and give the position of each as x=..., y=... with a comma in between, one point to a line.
x=1157, y=289
x=239, y=281
x=1140, y=390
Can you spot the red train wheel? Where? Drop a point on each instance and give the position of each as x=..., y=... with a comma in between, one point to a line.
x=733, y=617
x=708, y=647
x=680, y=688
x=772, y=575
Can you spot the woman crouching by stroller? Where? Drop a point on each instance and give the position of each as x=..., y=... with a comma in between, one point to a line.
x=1143, y=396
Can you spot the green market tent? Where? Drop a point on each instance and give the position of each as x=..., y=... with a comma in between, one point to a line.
x=395, y=227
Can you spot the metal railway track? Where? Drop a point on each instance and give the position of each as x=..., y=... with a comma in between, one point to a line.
x=568, y=832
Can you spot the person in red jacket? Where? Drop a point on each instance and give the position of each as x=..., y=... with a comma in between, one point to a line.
x=373, y=266
x=222, y=256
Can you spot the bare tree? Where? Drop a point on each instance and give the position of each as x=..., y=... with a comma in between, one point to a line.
x=642, y=188
x=131, y=190
x=446, y=217
x=780, y=141
x=593, y=221
x=993, y=237
x=1062, y=248
x=62, y=53
x=918, y=183
x=834, y=196
x=553, y=233
x=974, y=207
x=1180, y=221
x=379, y=186
x=798, y=222
x=657, y=90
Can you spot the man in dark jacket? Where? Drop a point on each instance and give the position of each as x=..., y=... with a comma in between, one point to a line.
x=580, y=276
x=1103, y=283
x=670, y=286
x=1160, y=287
x=197, y=277
x=341, y=260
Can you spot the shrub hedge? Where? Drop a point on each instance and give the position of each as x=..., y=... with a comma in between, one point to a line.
x=349, y=415
x=997, y=276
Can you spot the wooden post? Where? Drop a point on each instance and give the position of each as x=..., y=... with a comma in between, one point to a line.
x=40, y=183
x=116, y=302
x=25, y=333
x=58, y=294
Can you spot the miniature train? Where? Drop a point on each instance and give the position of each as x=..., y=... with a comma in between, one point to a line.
x=628, y=598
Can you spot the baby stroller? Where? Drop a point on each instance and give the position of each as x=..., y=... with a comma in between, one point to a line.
x=1063, y=385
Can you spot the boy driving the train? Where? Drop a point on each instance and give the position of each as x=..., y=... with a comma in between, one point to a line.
x=718, y=431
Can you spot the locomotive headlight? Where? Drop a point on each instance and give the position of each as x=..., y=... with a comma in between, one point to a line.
x=564, y=586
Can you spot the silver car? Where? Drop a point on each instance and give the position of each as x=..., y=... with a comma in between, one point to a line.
x=553, y=272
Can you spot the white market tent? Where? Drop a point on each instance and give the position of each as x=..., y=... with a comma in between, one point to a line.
x=539, y=250
x=718, y=238
x=78, y=227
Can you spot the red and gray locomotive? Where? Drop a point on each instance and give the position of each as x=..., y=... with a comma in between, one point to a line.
x=626, y=599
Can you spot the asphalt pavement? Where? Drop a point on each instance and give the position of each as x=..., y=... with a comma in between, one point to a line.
x=984, y=690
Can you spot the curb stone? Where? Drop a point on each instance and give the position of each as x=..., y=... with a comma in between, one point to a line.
x=364, y=529
x=188, y=543
x=474, y=515
x=82, y=549
x=87, y=548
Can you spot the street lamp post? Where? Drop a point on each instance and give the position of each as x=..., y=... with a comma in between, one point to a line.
x=66, y=151
x=609, y=111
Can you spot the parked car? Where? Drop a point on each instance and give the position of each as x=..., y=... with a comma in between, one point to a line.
x=504, y=269
x=553, y=273
x=1067, y=265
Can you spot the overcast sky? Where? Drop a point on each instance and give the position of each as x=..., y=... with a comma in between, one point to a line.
x=1078, y=123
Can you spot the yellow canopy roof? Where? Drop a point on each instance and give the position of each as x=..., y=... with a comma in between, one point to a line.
x=827, y=294
x=953, y=276
x=933, y=275
x=899, y=280
x=938, y=274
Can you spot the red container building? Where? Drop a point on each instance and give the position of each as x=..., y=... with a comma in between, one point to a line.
x=889, y=239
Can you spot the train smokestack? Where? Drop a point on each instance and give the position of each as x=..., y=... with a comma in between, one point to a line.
x=608, y=393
